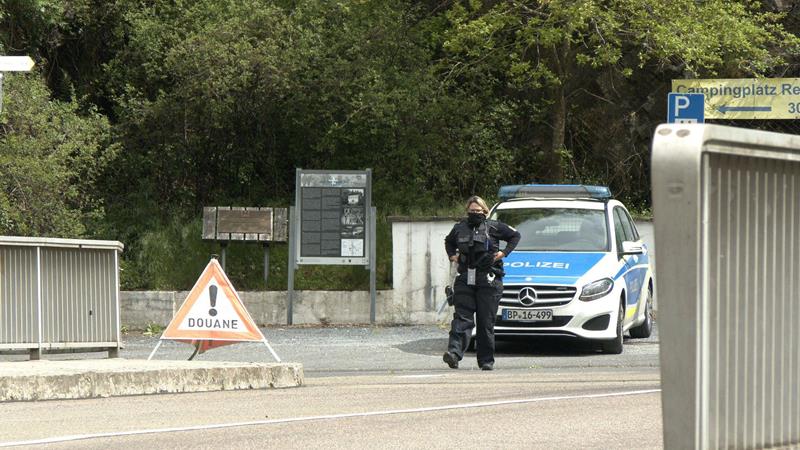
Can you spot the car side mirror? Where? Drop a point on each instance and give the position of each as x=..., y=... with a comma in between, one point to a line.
x=632, y=248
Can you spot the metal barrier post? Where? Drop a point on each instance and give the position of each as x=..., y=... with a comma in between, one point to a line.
x=36, y=353
x=114, y=352
x=372, y=263
x=291, y=266
x=726, y=204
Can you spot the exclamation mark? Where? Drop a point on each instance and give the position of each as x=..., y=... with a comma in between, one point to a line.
x=212, y=293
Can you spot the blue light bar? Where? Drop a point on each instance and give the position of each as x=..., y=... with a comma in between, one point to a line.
x=571, y=191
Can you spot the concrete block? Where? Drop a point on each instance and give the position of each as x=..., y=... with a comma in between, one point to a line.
x=49, y=380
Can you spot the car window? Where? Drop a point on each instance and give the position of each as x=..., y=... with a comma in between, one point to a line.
x=626, y=224
x=619, y=230
x=634, y=232
x=558, y=229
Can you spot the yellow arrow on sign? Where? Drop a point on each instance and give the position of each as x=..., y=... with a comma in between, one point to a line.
x=16, y=64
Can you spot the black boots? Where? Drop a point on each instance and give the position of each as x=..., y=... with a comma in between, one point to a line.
x=451, y=360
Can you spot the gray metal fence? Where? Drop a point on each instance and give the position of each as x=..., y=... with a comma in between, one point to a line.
x=59, y=295
x=727, y=217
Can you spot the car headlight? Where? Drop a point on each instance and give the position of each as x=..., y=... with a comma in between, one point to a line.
x=597, y=289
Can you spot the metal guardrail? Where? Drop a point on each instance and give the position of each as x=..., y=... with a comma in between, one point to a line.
x=59, y=295
x=727, y=223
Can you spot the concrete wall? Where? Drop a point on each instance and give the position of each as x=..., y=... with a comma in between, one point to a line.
x=420, y=268
x=138, y=309
x=420, y=271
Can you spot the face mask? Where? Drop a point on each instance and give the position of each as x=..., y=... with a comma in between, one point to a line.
x=475, y=219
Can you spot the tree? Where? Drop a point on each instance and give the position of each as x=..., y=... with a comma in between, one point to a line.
x=50, y=159
x=556, y=50
x=221, y=101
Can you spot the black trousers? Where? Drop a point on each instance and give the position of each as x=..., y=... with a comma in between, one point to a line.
x=481, y=301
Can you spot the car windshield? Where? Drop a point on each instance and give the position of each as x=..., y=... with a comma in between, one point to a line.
x=557, y=229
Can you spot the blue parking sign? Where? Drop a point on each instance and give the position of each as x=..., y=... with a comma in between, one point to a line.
x=685, y=108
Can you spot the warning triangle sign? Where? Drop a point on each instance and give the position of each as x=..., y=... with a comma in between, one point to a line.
x=213, y=314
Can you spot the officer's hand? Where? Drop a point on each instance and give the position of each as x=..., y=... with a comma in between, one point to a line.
x=499, y=255
x=454, y=258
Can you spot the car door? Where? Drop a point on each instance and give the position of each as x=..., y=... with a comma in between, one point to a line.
x=623, y=266
x=636, y=265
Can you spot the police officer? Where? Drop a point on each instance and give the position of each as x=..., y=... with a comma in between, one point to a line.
x=474, y=244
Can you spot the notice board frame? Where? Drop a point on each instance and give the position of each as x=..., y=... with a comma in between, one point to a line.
x=348, y=182
x=332, y=184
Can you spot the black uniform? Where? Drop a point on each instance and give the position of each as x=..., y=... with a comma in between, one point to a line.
x=476, y=247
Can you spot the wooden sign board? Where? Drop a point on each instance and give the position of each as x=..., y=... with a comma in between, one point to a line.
x=244, y=221
x=226, y=223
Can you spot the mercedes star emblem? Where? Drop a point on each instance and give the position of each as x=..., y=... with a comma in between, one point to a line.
x=527, y=296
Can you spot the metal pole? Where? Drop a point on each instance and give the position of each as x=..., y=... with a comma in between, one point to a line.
x=372, y=264
x=266, y=264
x=290, y=283
x=37, y=354
x=115, y=353
x=222, y=254
x=154, y=350
x=269, y=347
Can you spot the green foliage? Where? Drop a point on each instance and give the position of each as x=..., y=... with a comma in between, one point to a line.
x=736, y=36
x=173, y=257
x=154, y=109
x=51, y=158
x=221, y=101
x=596, y=34
x=640, y=213
x=153, y=329
x=589, y=61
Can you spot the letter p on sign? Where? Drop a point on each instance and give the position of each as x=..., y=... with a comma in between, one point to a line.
x=681, y=102
x=685, y=108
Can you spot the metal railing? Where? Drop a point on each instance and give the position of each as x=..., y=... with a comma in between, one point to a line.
x=59, y=295
x=727, y=220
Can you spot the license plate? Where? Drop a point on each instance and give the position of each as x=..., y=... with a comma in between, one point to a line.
x=528, y=315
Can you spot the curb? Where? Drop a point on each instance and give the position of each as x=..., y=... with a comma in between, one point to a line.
x=55, y=380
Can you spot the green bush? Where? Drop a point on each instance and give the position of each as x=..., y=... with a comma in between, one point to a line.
x=172, y=258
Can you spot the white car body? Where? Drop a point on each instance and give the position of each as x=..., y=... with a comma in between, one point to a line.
x=543, y=288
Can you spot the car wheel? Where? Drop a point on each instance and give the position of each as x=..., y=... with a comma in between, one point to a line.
x=646, y=328
x=614, y=346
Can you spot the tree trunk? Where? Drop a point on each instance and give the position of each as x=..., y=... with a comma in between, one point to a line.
x=561, y=59
x=559, y=122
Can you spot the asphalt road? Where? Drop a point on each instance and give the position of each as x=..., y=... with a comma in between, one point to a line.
x=331, y=351
x=375, y=387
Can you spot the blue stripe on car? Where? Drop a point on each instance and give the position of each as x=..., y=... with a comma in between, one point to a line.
x=550, y=267
x=533, y=279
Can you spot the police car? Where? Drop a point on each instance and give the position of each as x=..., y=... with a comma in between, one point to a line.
x=580, y=269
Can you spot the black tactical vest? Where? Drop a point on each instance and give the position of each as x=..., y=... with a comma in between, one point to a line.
x=473, y=243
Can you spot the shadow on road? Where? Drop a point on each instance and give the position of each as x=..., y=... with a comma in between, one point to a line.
x=424, y=346
x=546, y=346
x=539, y=346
